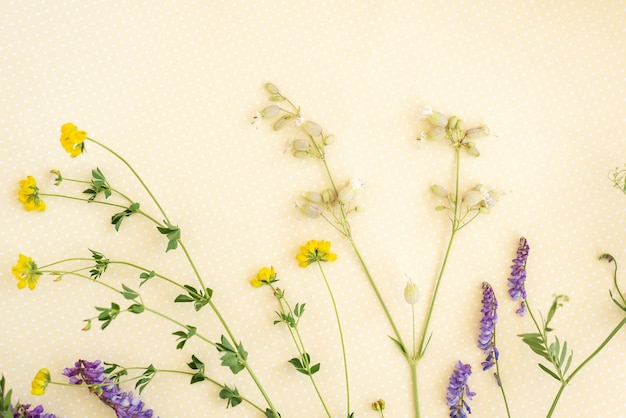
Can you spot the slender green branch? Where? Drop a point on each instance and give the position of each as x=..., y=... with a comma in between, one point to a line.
x=499, y=376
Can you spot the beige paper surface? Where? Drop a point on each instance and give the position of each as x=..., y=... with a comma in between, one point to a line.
x=173, y=86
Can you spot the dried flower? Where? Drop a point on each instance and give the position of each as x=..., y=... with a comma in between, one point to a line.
x=486, y=337
x=458, y=390
x=314, y=251
x=26, y=272
x=433, y=134
x=28, y=194
x=72, y=139
x=59, y=178
x=518, y=275
x=475, y=133
x=40, y=382
x=347, y=194
x=266, y=275
x=125, y=404
x=310, y=209
x=481, y=197
x=379, y=405
x=435, y=118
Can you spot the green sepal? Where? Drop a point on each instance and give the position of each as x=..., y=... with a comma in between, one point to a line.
x=232, y=396
x=270, y=414
x=119, y=217
x=172, y=233
x=146, y=378
x=400, y=346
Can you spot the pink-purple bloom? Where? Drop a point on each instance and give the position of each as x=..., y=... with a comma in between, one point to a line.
x=458, y=390
x=24, y=411
x=486, y=337
x=125, y=404
x=518, y=275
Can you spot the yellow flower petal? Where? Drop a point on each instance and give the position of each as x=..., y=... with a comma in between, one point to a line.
x=40, y=382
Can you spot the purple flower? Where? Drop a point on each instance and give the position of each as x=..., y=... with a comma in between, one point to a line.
x=486, y=337
x=458, y=389
x=518, y=275
x=23, y=411
x=123, y=403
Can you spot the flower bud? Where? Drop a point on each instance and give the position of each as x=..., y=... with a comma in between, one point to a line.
x=472, y=150
x=272, y=89
x=346, y=195
x=359, y=208
x=310, y=209
x=440, y=208
x=313, y=197
x=379, y=405
x=434, y=133
x=435, y=118
x=452, y=122
x=280, y=123
x=329, y=139
x=459, y=125
x=411, y=293
x=329, y=196
x=270, y=111
x=301, y=154
x=475, y=133
x=301, y=145
x=312, y=129
x=439, y=191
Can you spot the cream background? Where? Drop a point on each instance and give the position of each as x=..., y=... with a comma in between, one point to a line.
x=173, y=87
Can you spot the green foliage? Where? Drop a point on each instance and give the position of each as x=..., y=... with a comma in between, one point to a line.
x=146, y=377
x=232, y=358
x=145, y=277
x=119, y=217
x=231, y=395
x=270, y=414
x=173, y=235
x=101, y=264
x=303, y=365
x=197, y=365
x=129, y=293
x=5, y=400
x=98, y=184
x=107, y=315
x=115, y=371
x=291, y=319
x=184, y=336
x=198, y=297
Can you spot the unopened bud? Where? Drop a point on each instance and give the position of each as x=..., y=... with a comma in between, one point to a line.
x=272, y=89
x=329, y=139
x=379, y=405
x=434, y=133
x=313, y=197
x=452, y=122
x=475, y=133
x=312, y=129
x=310, y=209
x=301, y=145
x=411, y=293
x=329, y=196
x=270, y=111
x=439, y=191
x=472, y=150
x=359, y=208
x=346, y=195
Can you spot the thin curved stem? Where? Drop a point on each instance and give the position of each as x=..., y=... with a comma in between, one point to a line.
x=343, y=345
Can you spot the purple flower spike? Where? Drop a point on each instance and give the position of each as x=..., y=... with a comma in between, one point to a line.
x=24, y=411
x=458, y=389
x=123, y=403
x=486, y=337
x=518, y=275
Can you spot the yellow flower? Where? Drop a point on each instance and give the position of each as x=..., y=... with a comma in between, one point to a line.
x=266, y=275
x=28, y=194
x=40, y=382
x=314, y=251
x=26, y=272
x=72, y=139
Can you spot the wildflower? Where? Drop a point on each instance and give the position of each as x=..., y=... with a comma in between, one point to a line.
x=59, y=177
x=481, y=197
x=314, y=251
x=433, y=134
x=29, y=195
x=435, y=118
x=411, y=292
x=24, y=411
x=26, y=272
x=310, y=209
x=266, y=275
x=40, y=382
x=486, y=337
x=347, y=194
x=518, y=275
x=458, y=390
x=125, y=404
x=72, y=139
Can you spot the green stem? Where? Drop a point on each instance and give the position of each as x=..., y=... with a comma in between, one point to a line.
x=145, y=186
x=416, y=401
x=343, y=345
x=556, y=399
x=499, y=377
x=110, y=188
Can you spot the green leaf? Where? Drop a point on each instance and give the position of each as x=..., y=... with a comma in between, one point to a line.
x=129, y=293
x=196, y=363
x=146, y=276
x=119, y=217
x=569, y=362
x=299, y=310
x=270, y=414
x=400, y=346
x=198, y=377
x=172, y=233
x=563, y=353
x=146, y=378
x=136, y=308
x=98, y=184
x=107, y=315
x=184, y=336
x=101, y=264
x=315, y=368
x=551, y=373
x=296, y=363
x=198, y=297
x=231, y=395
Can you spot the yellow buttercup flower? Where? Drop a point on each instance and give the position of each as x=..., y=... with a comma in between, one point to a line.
x=28, y=194
x=266, y=275
x=314, y=251
x=26, y=272
x=72, y=139
x=40, y=382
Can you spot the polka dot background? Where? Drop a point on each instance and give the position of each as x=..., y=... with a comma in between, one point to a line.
x=173, y=87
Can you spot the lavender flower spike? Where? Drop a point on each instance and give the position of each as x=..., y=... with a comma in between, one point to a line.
x=518, y=275
x=24, y=411
x=123, y=403
x=458, y=389
x=486, y=337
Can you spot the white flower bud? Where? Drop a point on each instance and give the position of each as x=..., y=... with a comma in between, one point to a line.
x=313, y=197
x=411, y=293
x=312, y=128
x=439, y=191
x=475, y=133
x=270, y=111
x=309, y=209
x=301, y=145
x=272, y=89
x=434, y=133
x=329, y=196
x=329, y=139
x=346, y=195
